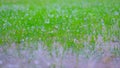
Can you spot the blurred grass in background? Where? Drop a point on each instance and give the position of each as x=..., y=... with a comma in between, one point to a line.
x=72, y=23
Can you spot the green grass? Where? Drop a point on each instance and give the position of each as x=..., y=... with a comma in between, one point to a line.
x=69, y=22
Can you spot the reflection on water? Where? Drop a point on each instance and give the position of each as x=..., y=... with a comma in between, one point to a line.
x=16, y=57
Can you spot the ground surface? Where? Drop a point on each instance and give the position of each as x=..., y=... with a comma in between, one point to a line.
x=15, y=57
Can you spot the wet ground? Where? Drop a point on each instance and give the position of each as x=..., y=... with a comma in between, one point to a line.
x=13, y=57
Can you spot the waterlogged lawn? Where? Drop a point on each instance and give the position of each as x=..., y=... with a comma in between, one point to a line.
x=71, y=23
x=59, y=34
